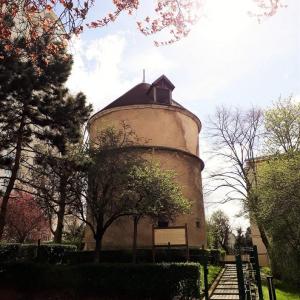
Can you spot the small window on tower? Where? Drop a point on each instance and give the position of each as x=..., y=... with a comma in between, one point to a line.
x=163, y=96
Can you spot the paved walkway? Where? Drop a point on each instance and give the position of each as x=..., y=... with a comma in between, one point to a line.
x=227, y=287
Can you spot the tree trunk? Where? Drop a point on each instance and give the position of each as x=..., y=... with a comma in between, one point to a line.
x=260, y=227
x=98, y=239
x=21, y=239
x=264, y=237
x=13, y=177
x=60, y=225
x=61, y=212
x=134, y=242
x=224, y=247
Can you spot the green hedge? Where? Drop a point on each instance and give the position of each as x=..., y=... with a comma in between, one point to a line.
x=140, y=281
x=51, y=253
x=56, y=253
x=125, y=256
x=145, y=256
x=9, y=252
x=215, y=256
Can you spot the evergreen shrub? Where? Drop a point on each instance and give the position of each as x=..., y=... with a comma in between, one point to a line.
x=124, y=281
x=215, y=256
x=197, y=255
x=67, y=254
x=9, y=252
x=125, y=256
x=53, y=253
x=50, y=253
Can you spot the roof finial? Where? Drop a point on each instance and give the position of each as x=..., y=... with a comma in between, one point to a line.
x=144, y=76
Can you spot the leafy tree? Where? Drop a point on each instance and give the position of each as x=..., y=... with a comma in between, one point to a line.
x=220, y=229
x=209, y=234
x=74, y=232
x=103, y=190
x=282, y=124
x=277, y=187
x=156, y=195
x=240, y=241
x=243, y=239
x=118, y=182
x=53, y=178
x=32, y=110
x=54, y=172
x=237, y=137
x=279, y=210
x=248, y=238
x=26, y=221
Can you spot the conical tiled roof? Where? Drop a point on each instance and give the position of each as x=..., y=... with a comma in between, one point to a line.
x=141, y=94
x=157, y=95
x=137, y=95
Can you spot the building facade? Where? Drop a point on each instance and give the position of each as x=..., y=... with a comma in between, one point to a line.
x=172, y=134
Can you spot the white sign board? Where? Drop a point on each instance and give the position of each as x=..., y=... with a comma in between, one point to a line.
x=172, y=236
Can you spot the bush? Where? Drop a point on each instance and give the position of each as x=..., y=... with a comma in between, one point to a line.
x=285, y=264
x=79, y=244
x=215, y=256
x=197, y=255
x=222, y=254
x=78, y=257
x=140, y=281
x=27, y=252
x=143, y=256
x=54, y=253
x=9, y=252
x=266, y=271
x=51, y=253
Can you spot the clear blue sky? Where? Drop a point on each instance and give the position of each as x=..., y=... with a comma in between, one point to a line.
x=228, y=58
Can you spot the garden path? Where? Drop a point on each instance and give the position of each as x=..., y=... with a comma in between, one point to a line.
x=227, y=287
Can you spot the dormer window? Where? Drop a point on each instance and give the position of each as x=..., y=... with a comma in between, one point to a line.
x=162, y=95
x=161, y=91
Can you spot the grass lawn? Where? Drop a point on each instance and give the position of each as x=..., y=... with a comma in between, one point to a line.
x=213, y=272
x=283, y=290
x=282, y=294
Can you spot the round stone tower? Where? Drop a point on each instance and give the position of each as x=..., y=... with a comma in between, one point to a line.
x=172, y=134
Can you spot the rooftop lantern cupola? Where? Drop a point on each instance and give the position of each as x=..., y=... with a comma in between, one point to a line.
x=161, y=90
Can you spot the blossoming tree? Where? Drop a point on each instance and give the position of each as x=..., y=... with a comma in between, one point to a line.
x=53, y=19
x=25, y=220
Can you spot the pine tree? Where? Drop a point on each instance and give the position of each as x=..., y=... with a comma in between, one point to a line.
x=32, y=109
x=54, y=173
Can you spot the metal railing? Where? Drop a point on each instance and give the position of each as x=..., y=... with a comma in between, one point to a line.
x=248, y=273
x=271, y=288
